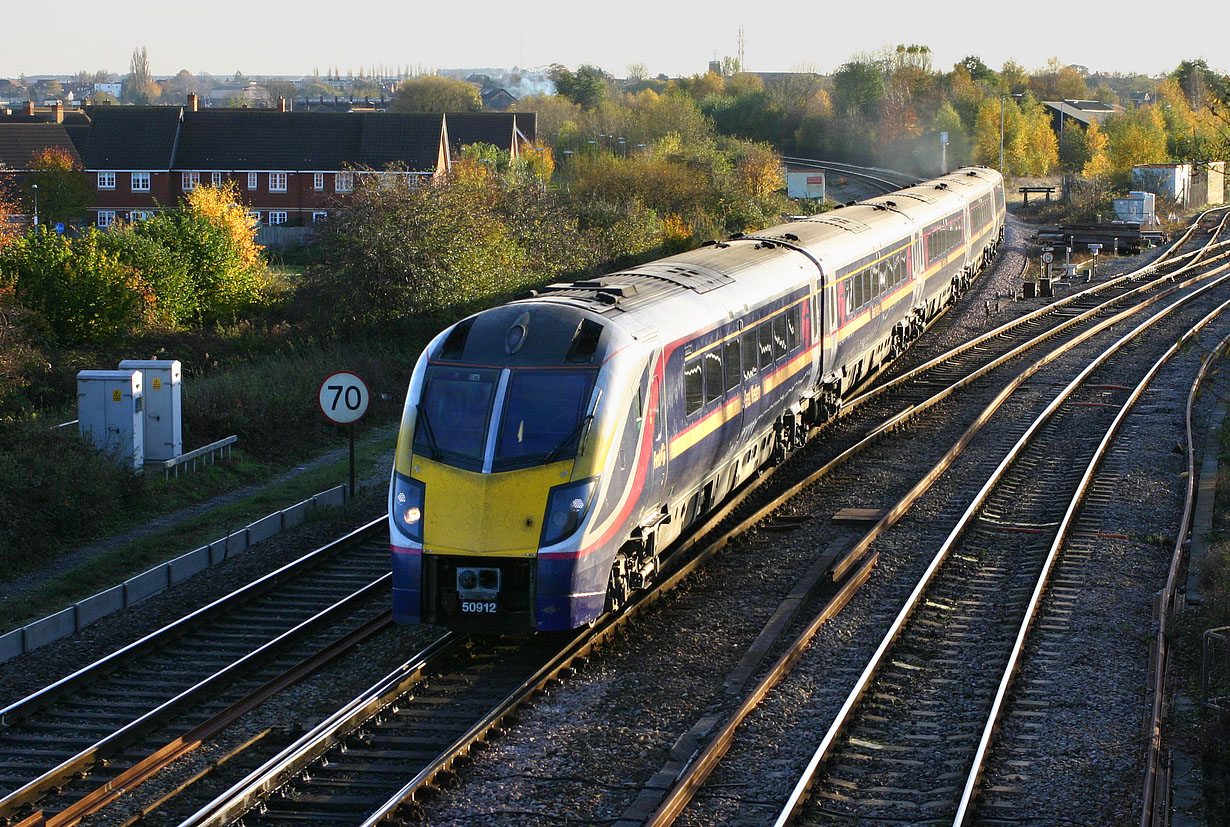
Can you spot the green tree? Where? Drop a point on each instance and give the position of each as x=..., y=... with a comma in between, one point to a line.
x=587, y=87
x=858, y=87
x=976, y=69
x=433, y=93
x=80, y=289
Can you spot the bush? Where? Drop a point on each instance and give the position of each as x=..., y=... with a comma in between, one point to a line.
x=55, y=489
x=80, y=288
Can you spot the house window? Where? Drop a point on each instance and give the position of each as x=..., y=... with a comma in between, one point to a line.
x=106, y=218
x=106, y=180
x=215, y=178
x=251, y=180
x=255, y=216
x=190, y=180
x=319, y=216
x=343, y=181
x=277, y=182
x=277, y=217
x=139, y=215
x=140, y=182
x=318, y=180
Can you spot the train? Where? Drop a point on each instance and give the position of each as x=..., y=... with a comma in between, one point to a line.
x=552, y=449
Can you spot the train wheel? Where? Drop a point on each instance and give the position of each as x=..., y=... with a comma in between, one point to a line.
x=619, y=587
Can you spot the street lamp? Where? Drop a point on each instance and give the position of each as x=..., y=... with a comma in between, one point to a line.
x=1003, y=98
x=34, y=187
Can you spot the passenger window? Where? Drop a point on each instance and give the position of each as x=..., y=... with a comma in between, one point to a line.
x=693, y=396
x=764, y=335
x=779, y=335
x=731, y=356
x=712, y=360
x=794, y=323
x=749, y=349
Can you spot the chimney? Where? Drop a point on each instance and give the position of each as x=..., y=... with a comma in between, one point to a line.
x=281, y=104
x=27, y=108
x=193, y=102
x=57, y=112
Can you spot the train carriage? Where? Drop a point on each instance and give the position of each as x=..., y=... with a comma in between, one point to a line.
x=552, y=448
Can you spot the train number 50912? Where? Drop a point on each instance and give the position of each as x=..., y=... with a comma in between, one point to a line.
x=475, y=606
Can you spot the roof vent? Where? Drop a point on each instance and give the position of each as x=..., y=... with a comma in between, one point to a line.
x=584, y=342
x=455, y=344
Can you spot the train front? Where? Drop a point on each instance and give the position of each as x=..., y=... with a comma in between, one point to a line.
x=499, y=472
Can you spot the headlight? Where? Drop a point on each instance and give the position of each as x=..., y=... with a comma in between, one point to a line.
x=408, y=506
x=566, y=508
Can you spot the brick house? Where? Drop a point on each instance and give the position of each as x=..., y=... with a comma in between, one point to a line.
x=20, y=141
x=289, y=167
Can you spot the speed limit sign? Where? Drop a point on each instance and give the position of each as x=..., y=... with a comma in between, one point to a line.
x=1048, y=257
x=343, y=397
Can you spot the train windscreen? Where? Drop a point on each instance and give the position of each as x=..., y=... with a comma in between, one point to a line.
x=543, y=417
x=453, y=415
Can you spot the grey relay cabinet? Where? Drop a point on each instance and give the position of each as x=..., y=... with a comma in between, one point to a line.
x=163, y=420
x=110, y=404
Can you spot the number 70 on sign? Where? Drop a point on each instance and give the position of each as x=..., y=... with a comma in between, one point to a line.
x=343, y=397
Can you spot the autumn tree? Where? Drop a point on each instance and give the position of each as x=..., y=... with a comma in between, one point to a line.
x=63, y=188
x=433, y=93
x=1137, y=136
x=1098, y=163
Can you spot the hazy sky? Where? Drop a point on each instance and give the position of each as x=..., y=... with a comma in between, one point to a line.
x=263, y=37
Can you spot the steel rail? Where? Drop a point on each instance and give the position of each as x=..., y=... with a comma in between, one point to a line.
x=432, y=772
x=1050, y=308
x=795, y=801
x=162, y=758
x=288, y=763
x=964, y=809
x=1161, y=648
x=88, y=674
x=866, y=173
x=85, y=759
x=694, y=775
x=693, y=778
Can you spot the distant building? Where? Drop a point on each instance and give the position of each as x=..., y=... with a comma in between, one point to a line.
x=1185, y=184
x=497, y=99
x=289, y=167
x=12, y=90
x=1078, y=111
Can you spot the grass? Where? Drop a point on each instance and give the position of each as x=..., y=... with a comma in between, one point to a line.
x=114, y=565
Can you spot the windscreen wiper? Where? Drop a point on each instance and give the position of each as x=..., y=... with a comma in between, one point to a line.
x=427, y=431
x=573, y=434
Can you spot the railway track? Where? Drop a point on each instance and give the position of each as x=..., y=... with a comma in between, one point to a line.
x=890, y=752
x=883, y=179
x=69, y=748
x=444, y=762
x=300, y=777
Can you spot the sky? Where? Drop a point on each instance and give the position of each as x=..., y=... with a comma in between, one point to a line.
x=265, y=38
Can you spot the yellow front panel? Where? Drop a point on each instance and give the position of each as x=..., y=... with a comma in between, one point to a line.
x=499, y=515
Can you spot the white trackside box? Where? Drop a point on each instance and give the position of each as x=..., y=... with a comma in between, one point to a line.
x=163, y=389
x=109, y=413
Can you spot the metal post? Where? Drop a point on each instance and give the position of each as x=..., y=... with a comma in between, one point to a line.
x=350, y=428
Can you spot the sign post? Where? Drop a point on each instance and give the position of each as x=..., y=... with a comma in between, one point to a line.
x=343, y=398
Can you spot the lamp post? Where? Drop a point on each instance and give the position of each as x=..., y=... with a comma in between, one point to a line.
x=34, y=188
